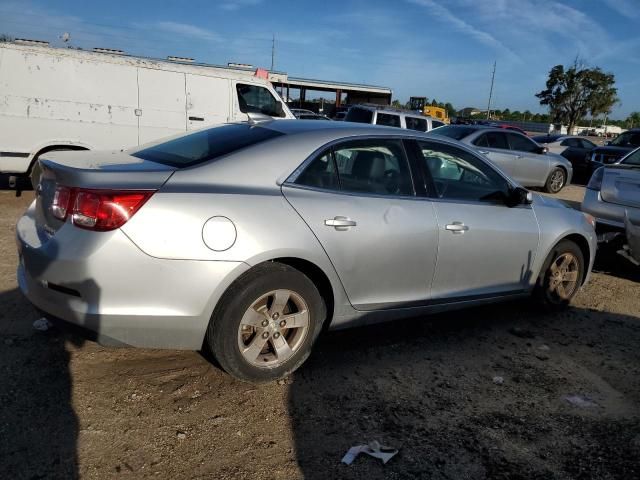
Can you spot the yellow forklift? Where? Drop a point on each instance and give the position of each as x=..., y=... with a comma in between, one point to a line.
x=418, y=104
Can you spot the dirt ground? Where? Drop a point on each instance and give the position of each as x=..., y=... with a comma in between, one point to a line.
x=71, y=408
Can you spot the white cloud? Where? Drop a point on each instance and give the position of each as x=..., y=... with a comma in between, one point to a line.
x=231, y=5
x=625, y=8
x=445, y=15
x=186, y=30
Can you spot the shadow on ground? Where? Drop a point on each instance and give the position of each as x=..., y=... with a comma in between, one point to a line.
x=38, y=426
x=428, y=387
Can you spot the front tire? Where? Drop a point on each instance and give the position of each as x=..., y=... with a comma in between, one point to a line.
x=556, y=180
x=266, y=323
x=561, y=276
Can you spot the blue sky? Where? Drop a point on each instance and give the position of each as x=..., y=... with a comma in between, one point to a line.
x=438, y=49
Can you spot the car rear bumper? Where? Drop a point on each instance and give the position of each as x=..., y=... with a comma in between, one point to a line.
x=102, y=282
x=608, y=214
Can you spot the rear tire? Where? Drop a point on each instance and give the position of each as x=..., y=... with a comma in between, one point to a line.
x=266, y=323
x=556, y=180
x=561, y=276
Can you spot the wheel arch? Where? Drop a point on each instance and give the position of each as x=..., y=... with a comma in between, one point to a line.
x=318, y=277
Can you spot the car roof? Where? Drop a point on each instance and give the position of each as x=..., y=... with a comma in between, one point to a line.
x=292, y=127
x=393, y=111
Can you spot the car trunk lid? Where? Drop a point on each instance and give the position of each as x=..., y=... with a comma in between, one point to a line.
x=91, y=170
x=621, y=186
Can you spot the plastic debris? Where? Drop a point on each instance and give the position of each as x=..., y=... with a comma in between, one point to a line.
x=373, y=449
x=498, y=380
x=580, y=401
x=42, y=324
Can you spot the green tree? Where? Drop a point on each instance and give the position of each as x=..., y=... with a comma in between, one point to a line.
x=6, y=38
x=573, y=92
x=397, y=104
x=633, y=120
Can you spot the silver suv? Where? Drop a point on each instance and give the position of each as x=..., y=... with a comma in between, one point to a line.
x=391, y=117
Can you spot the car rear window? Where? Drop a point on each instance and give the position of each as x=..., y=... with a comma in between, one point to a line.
x=455, y=132
x=206, y=145
x=359, y=115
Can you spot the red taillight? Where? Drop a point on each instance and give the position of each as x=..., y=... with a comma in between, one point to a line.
x=100, y=210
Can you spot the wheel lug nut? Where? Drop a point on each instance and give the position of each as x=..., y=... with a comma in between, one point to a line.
x=276, y=335
x=265, y=335
x=283, y=324
x=265, y=323
x=275, y=316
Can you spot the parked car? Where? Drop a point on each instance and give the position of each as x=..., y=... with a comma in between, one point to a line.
x=250, y=239
x=617, y=148
x=574, y=148
x=509, y=127
x=302, y=114
x=517, y=155
x=70, y=99
x=613, y=191
x=391, y=117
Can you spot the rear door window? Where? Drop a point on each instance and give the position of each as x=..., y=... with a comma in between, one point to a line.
x=321, y=173
x=257, y=99
x=205, y=145
x=497, y=140
x=388, y=120
x=374, y=166
x=436, y=124
x=415, y=123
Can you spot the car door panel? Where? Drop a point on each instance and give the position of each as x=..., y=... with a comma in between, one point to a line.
x=530, y=168
x=493, y=255
x=485, y=248
x=358, y=199
x=387, y=258
x=495, y=147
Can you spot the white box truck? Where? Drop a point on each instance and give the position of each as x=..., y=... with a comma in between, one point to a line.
x=69, y=99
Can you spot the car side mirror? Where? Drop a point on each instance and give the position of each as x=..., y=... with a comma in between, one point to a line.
x=519, y=196
x=608, y=143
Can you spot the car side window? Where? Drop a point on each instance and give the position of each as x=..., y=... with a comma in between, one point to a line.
x=460, y=175
x=415, y=123
x=257, y=99
x=571, y=142
x=521, y=143
x=374, y=166
x=587, y=144
x=320, y=173
x=481, y=141
x=436, y=124
x=388, y=120
x=497, y=140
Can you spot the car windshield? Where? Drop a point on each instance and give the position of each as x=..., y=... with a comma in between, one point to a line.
x=455, y=132
x=632, y=159
x=205, y=145
x=627, y=139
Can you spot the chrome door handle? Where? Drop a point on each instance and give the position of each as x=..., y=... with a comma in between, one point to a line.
x=456, y=227
x=340, y=223
x=484, y=152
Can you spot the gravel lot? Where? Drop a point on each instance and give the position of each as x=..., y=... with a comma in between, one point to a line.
x=71, y=408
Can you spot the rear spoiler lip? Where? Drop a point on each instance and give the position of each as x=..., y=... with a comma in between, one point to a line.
x=123, y=179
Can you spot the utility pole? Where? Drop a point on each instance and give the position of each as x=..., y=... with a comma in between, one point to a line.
x=273, y=51
x=493, y=76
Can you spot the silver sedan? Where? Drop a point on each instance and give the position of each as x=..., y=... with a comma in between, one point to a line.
x=612, y=195
x=249, y=239
x=527, y=162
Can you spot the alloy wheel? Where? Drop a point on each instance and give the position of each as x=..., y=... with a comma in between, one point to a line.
x=564, y=278
x=273, y=328
x=557, y=180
